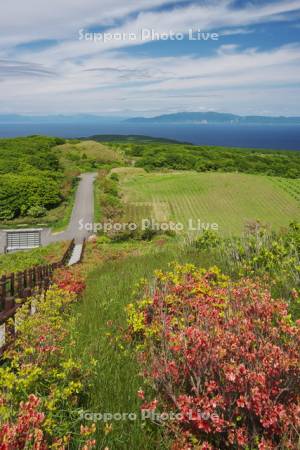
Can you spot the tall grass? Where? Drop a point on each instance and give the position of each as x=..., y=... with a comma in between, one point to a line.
x=101, y=319
x=115, y=385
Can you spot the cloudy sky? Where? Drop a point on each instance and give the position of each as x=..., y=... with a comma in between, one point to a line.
x=51, y=62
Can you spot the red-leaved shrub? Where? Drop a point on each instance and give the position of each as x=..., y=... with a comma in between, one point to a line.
x=27, y=431
x=222, y=356
x=69, y=281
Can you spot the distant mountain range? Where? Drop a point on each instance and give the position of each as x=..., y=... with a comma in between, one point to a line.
x=178, y=118
x=60, y=118
x=214, y=118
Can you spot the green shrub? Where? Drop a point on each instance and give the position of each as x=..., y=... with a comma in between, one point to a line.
x=19, y=193
x=37, y=368
x=158, y=155
x=261, y=253
x=30, y=176
x=103, y=240
x=114, y=177
x=36, y=211
x=208, y=239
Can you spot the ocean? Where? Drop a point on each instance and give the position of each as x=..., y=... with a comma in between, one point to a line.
x=283, y=137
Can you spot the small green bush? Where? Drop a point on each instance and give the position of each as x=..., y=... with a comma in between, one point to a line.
x=36, y=211
x=114, y=177
x=208, y=239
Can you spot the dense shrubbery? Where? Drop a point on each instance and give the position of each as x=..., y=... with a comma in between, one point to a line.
x=36, y=211
x=40, y=385
x=17, y=154
x=108, y=197
x=222, y=358
x=26, y=194
x=30, y=176
x=153, y=156
x=65, y=280
x=261, y=252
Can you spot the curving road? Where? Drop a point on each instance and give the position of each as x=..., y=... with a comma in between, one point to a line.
x=82, y=214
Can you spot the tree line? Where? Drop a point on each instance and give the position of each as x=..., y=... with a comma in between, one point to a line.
x=30, y=176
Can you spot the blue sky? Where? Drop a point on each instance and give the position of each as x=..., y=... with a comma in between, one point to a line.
x=49, y=63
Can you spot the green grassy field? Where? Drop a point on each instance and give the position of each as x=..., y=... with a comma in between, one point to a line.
x=228, y=199
x=19, y=261
x=292, y=186
x=101, y=319
x=86, y=155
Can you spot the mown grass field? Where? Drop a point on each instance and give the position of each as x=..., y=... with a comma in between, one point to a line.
x=230, y=200
x=292, y=186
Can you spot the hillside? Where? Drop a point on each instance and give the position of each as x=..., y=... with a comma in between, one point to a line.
x=160, y=155
x=148, y=314
x=87, y=155
x=229, y=200
x=38, y=177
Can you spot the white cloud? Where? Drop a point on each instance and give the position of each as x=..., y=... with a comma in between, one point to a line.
x=236, y=31
x=119, y=83
x=26, y=20
x=206, y=16
x=74, y=76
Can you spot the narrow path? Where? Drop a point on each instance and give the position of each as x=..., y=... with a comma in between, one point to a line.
x=82, y=214
x=76, y=255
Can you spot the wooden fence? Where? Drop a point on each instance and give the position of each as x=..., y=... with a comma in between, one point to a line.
x=22, y=285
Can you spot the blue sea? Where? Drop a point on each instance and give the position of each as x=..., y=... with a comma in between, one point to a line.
x=283, y=137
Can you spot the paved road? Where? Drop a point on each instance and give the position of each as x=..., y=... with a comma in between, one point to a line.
x=82, y=214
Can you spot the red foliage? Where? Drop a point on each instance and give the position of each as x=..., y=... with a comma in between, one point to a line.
x=69, y=281
x=27, y=432
x=225, y=358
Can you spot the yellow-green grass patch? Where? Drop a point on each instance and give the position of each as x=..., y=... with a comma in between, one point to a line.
x=75, y=155
x=230, y=200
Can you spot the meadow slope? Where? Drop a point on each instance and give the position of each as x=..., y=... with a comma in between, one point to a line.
x=229, y=199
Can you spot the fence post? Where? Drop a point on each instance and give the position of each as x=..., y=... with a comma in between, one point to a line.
x=27, y=289
x=34, y=277
x=2, y=290
x=12, y=284
x=38, y=278
x=25, y=279
x=9, y=303
x=21, y=285
x=2, y=337
x=30, y=276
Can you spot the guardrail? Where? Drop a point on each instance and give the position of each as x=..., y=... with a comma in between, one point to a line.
x=22, y=285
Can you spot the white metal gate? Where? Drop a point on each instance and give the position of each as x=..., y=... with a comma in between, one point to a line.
x=22, y=239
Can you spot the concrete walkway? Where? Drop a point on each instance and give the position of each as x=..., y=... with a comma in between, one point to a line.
x=76, y=255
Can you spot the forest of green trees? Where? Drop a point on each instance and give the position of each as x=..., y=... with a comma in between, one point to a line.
x=30, y=176
x=32, y=171
x=157, y=155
